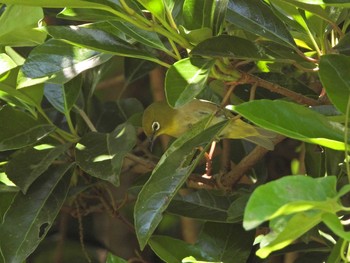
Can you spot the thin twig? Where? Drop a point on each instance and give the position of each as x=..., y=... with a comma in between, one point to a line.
x=273, y=87
x=229, y=179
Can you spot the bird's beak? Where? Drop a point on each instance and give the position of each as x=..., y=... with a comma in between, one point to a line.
x=151, y=141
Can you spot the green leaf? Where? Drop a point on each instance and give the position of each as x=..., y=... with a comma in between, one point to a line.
x=256, y=17
x=28, y=164
x=169, y=175
x=6, y=63
x=144, y=37
x=86, y=14
x=156, y=7
x=300, y=193
x=225, y=242
x=172, y=250
x=7, y=193
x=30, y=216
x=62, y=63
x=202, y=205
x=286, y=230
x=101, y=154
x=185, y=79
x=343, y=47
x=19, y=129
x=225, y=46
x=63, y=97
x=101, y=36
x=114, y=259
x=336, y=80
x=135, y=69
x=198, y=14
x=284, y=117
x=18, y=26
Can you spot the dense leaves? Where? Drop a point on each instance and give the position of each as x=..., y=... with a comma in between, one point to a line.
x=74, y=79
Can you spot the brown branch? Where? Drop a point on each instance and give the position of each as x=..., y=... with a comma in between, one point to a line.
x=229, y=179
x=273, y=87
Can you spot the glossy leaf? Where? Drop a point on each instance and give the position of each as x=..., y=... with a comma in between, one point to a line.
x=101, y=37
x=167, y=178
x=63, y=96
x=186, y=79
x=30, y=216
x=257, y=18
x=294, y=121
x=343, y=47
x=114, y=259
x=202, y=205
x=23, y=171
x=98, y=4
x=230, y=47
x=197, y=14
x=173, y=250
x=156, y=7
x=18, y=26
x=6, y=63
x=86, y=14
x=147, y=38
x=219, y=242
x=304, y=202
x=135, y=69
x=19, y=129
x=101, y=154
x=267, y=203
x=62, y=63
x=7, y=193
x=336, y=80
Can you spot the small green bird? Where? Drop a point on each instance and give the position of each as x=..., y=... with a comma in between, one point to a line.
x=159, y=118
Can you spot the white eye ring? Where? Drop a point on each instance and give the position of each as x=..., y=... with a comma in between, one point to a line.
x=155, y=126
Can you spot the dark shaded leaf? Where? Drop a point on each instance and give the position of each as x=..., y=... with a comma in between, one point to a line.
x=30, y=216
x=101, y=154
x=18, y=129
x=23, y=171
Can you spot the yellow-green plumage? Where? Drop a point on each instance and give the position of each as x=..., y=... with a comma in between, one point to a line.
x=159, y=118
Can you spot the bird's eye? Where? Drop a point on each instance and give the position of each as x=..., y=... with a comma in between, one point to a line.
x=155, y=126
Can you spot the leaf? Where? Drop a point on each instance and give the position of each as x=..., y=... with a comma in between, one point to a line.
x=336, y=80
x=114, y=259
x=286, y=230
x=256, y=17
x=202, y=205
x=63, y=97
x=198, y=14
x=7, y=193
x=225, y=242
x=225, y=46
x=30, y=216
x=135, y=69
x=6, y=63
x=86, y=14
x=185, y=79
x=18, y=26
x=101, y=155
x=300, y=193
x=144, y=37
x=28, y=164
x=172, y=250
x=343, y=47
x=100, y=36
x=294, y=121
x=155, y=7
x=169, y=175
x=58, y=62
x=19, y=129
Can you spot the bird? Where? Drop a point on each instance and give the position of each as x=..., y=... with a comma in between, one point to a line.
x=160, y=118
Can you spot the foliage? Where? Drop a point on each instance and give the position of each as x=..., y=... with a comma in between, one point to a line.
x=68, y=146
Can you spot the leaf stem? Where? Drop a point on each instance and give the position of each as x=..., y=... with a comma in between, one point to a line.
x=86, y=118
